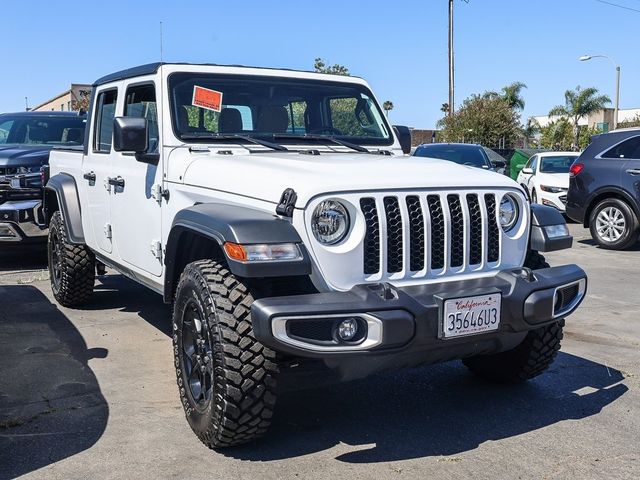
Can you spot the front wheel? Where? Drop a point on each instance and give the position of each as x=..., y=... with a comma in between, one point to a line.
x=613, y=224
x=72, y=268
x=226, y=378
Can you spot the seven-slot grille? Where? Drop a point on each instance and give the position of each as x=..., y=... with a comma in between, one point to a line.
x=446, y=231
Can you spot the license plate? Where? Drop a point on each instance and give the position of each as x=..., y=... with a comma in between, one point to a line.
x=471, y=315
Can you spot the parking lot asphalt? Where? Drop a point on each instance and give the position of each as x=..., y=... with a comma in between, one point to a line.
x=90, y=393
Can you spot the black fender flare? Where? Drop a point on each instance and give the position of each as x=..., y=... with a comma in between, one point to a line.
x=233, y=223
x=545, y=216
x=65, y=189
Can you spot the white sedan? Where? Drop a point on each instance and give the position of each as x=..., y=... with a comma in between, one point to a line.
x=545, y=177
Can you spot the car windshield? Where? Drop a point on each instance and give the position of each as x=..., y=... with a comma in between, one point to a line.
x=41, y=130
x=219, y=107
x=471, y=155
x=559, y=164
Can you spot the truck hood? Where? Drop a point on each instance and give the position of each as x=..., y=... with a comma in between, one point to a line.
x=23, y=156
x=265, y=176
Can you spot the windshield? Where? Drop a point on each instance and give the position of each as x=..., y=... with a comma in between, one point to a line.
x=273, y=108
x=41, y=130
x=559, y=164
x=471, y=155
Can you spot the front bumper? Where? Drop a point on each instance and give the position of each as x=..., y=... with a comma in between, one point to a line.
x=407, y=321
x=20, y=221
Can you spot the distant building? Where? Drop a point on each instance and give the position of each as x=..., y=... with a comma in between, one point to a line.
x=74, y=99
x=602, y=119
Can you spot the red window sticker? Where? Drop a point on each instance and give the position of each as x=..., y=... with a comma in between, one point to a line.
x=205, y=98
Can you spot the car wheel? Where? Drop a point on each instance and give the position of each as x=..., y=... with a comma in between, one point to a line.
x=226, y=378
x=613, y=224
x=72, y=267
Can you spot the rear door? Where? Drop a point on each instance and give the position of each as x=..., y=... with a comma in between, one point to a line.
x=631, y=170
x=135, y=203
x=96, y=168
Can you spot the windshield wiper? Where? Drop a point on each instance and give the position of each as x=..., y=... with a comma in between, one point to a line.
x=344, y=143
x=234, y=136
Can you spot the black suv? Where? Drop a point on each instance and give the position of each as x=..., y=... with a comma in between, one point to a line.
x=604, y=188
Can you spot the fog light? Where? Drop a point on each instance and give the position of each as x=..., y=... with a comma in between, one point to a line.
x=554, y=231
x=7, y=232
x=347, y=329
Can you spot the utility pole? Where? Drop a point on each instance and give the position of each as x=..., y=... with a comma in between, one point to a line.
x=26, y=104
x=451, y=71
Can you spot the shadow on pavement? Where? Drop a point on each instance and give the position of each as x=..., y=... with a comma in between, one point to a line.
x=51, y=406
x=589, y=241
x=23, y=257
x=431, y=411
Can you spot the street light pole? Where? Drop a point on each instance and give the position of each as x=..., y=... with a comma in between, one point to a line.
x=451, y=72
x=585, y=58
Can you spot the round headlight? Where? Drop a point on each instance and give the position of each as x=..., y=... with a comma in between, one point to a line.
x=330, y=222
x=508, y=212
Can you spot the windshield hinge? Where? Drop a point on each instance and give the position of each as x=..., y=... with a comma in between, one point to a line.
x=287, y=203
x=156, y=249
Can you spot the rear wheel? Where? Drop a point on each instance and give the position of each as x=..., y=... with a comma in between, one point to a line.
x=71, y=267
x=226, y=378
x=613, y=224
x=529, y=359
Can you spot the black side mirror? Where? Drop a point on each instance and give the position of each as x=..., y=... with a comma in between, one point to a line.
x=130, y=134
x=499, y=164
x=404, y=137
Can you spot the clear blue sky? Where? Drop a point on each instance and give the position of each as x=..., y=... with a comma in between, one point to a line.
x=399, y=47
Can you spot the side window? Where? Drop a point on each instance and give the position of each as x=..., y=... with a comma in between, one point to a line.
x=140, y=101
x=105, y=113
x=628, y=149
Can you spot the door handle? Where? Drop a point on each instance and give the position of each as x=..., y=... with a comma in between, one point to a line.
x=91, y=176
x=116, y=182
x=634, y=171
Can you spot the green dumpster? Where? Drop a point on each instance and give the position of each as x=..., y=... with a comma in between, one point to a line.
x=520, y=158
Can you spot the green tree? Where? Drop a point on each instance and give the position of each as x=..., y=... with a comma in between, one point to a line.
x=529, y=132
x=557, y=135
x=512, y=94
x=387, y=106
x=320, y=66
x=486, y=119
x=579, y=103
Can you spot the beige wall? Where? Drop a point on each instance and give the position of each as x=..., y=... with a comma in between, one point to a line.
x=77, y=95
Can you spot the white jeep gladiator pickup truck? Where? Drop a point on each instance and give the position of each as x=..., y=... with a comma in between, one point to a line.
x=278, y=212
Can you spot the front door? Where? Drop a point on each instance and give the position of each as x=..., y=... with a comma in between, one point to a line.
x=135, y=203
x=96, y=170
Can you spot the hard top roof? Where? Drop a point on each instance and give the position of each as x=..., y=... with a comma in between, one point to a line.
x=151, y=68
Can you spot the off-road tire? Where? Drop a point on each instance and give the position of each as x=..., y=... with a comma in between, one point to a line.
x=529, y=359
x=242, y=372
x=630, y=232
x=71, y=267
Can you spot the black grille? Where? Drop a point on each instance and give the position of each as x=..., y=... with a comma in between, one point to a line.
x=493, y=254
x=394, y=234
x=437, y=232
x=417, y=239
x=321, y=330
x=371, y=237
x=565, y=296
x=457, y=231
x=475, y=230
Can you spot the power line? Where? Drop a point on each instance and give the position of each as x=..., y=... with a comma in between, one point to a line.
x=619, y=6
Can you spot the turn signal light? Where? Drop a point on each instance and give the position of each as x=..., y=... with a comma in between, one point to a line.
x=575, y=169
x=263, y=252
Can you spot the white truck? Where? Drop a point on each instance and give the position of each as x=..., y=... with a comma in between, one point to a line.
x=279, y=214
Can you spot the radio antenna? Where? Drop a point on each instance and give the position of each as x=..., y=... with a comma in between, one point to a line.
x=161, y=42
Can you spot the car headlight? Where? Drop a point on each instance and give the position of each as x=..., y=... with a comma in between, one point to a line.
x=330, y=222
x=509, y=211
x=547, y=188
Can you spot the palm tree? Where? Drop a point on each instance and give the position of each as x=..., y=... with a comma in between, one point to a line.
x=579, y=103
x=387, y=106
x=512, y=95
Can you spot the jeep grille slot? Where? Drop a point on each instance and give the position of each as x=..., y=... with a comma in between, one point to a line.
x=431, y=235
x=371, y=237
x=416, y=233
x=437, y=232
x=493, y=255
x=394, y=234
